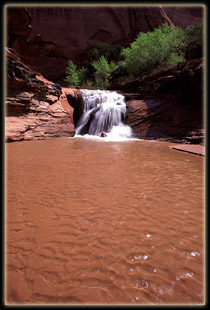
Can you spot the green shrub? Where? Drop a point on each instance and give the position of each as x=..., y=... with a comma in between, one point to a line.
x=109, y=51
x=174, y=59
x=93, y=54
x=154, y=49
x=102, y=73
x=72, y=76
x=89, y=84
x=99, y=62
x=112, y=66
x=99, y=77
x=150, y=52
x=193, y=42
x=82, y=76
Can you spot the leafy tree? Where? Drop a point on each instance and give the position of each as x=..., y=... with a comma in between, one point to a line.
x=72, y=76
x=112, y=66
x=82, y=76
x=154, y=49
x=90, y=84
x=174, y=59
x=109, y=51
x=193, y=42
x=99, y=78
x=93, y=54
x=102, y=72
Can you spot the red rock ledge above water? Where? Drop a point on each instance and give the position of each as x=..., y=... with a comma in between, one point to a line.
x=35, y=107
x=193, y=149
x=167, y=105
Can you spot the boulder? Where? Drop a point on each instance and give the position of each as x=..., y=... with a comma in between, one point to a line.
x=75, y=100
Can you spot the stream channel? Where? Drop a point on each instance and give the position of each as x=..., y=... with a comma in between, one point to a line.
x=103, y=220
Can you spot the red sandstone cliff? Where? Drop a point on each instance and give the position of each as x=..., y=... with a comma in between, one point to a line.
x=18, y=31
x=37, y=108
x=46, y=37
x=167, y=105
x=75, y=29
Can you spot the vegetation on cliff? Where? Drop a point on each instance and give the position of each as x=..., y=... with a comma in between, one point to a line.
x=151, y=52
x=157, y=49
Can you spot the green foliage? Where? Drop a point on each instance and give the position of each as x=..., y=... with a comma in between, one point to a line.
x=150, y=52
x=154, y=49
x=111, y=54
x=194, y=35
x=193, y=42
x=72, y=76
x=93, y=54
x=102, y=72
x=82, y=76
x=95, y=72
x=98, y=79
x=174, y=59
x=109, y=51
x=89, y=84
x=112, y=66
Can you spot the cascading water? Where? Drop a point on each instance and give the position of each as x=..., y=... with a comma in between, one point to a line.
x=104, y=115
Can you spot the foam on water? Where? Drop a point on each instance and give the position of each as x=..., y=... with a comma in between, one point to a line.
x=104, y=117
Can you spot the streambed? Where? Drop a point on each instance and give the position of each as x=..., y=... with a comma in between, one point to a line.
x=93, y=221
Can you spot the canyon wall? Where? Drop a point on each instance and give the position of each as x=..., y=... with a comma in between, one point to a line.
x=41, y=40
x=36, y=108
x=167, y=105
x=75, y=29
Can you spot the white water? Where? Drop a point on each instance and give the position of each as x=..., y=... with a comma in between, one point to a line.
x=104, y=113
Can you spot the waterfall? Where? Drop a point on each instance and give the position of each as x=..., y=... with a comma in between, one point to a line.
x=104, y=115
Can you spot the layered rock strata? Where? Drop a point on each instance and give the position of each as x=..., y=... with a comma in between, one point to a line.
x=167, y=105
x=35, y=107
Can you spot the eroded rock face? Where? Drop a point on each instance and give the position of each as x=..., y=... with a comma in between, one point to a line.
x=167, y=105
x=18, y=31
x=35, y=107
x=165, y=120
x=184, y=16
x=75, y=29
x=75, y=100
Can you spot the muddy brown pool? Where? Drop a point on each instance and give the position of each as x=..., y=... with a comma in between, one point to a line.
x=93, y=222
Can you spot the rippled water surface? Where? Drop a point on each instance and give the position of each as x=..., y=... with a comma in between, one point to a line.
x=103, y=222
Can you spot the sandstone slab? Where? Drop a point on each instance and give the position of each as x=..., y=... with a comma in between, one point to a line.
x=190, y=148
